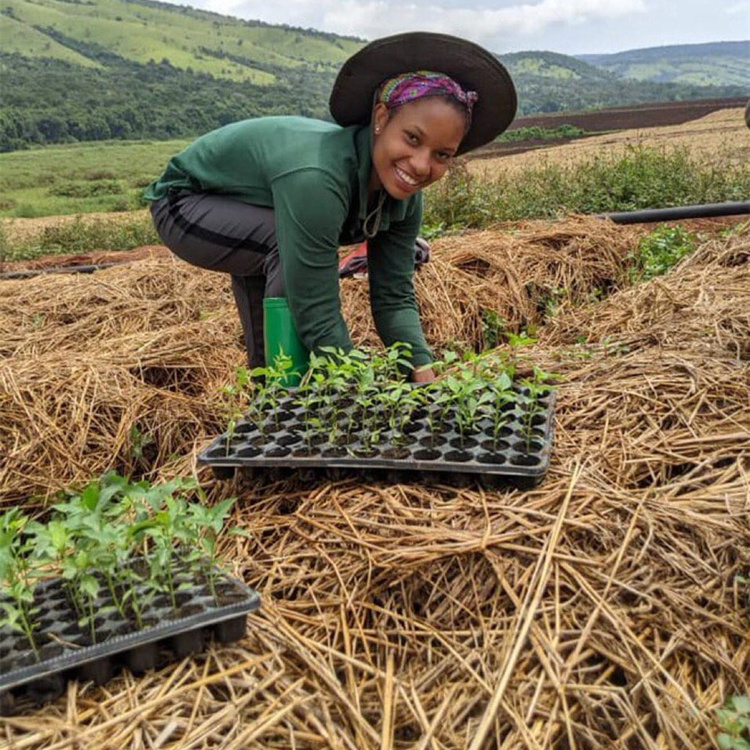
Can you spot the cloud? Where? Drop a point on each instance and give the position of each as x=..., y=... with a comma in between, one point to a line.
x=738, y=8
x=374, y=18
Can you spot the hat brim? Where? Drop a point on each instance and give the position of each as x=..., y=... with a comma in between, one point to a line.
x=471, y=66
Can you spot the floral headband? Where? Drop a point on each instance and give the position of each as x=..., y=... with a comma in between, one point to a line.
x=419, y=84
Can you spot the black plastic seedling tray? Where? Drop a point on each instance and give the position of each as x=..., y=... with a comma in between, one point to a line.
x=519, y=452
x=66, y=650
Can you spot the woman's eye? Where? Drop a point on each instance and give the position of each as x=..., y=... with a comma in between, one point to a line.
x=412, y=138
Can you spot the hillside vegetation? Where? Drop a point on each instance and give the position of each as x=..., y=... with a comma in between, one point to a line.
x=716, y=64
x=83, y=70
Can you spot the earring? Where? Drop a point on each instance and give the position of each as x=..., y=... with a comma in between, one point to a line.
x=377, y=130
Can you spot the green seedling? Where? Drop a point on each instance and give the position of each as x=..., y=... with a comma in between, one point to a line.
x=734, y=719
x=205, y=525
x=272, y=388
x=501, y=395
x=17, y=576
x=536, y=387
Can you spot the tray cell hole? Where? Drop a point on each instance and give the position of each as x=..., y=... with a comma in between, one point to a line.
x=533, y=446
x=458, y=456
x=335, y=452
x=371, y=452
x=396, y=452
x=244, y=428
x=536, y=420
x=495, y=446
x=465, y=443
x=305, y=452
x=249, y=452
x=504, y=432
x=433, y=441
x=222, y=452
x=290, y=439
x=411, y=427
x=525, y=460
x=491, y=458
x=427, y=454
x=278, y=451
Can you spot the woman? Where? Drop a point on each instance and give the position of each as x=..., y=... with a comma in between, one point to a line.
x=271, y=200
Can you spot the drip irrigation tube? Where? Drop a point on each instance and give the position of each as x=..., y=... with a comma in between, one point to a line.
x=679, y=212
x=29, y=272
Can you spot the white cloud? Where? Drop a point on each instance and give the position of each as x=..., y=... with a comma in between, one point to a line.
x=374, y=18
x=739, y=8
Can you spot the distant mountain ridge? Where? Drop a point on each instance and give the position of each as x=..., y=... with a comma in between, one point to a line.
x=73, y=70
x=713, y=63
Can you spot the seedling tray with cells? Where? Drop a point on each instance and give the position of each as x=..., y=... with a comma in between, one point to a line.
x=475, y=419
x=117, y=573
x=65, y=649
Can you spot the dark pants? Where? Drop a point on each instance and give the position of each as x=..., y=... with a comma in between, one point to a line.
x=221, y=234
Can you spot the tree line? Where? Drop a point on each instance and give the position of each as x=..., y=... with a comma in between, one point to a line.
x=46, y=101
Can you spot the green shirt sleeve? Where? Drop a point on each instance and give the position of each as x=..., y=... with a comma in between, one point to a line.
x=390, y=260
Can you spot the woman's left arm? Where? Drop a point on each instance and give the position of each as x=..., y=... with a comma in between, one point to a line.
x=390, y=261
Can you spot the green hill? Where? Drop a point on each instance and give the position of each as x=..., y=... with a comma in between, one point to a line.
x=715, y=64
x=142, y=32
x=81, y=70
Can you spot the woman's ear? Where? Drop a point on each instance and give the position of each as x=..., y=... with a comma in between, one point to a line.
x=380, y=117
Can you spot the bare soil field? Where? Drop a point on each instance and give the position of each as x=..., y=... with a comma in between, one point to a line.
x=657, y=114
x=722, y=132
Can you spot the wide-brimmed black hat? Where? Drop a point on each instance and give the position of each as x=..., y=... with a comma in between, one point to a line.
x=471, y=66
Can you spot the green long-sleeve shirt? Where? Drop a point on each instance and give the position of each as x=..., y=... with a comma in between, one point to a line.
x=315, y=176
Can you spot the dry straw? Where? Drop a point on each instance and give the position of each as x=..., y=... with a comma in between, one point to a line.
x=599, y=610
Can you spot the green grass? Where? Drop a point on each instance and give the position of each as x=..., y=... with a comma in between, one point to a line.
x=660, y=251
x=81, y=178
x=82, y=236
x=641, y=178
x=540, y=134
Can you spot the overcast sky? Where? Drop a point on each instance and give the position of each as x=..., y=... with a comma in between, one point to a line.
x=567, y=26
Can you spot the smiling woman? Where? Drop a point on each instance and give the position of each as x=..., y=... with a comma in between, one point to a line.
x=270, y=200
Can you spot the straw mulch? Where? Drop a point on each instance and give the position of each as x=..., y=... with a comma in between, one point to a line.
x=599, y=610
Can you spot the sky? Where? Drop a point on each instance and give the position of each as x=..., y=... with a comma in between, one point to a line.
x=568, y=26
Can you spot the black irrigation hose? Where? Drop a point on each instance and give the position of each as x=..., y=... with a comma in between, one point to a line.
x=678, y=212
x=735, y=208
x=29, y=272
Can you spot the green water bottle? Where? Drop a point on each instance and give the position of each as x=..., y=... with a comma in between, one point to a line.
x=280, y=337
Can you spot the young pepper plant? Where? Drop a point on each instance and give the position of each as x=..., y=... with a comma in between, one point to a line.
x=17, y=576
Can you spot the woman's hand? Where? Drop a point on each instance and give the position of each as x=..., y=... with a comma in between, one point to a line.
x=423, y=374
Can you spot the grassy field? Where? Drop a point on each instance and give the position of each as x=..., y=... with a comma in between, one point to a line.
x=80, y=178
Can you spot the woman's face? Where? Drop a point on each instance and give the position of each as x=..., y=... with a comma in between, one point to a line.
x=414, y=144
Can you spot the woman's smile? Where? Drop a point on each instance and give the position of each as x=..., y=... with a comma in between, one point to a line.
x=414, y=144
